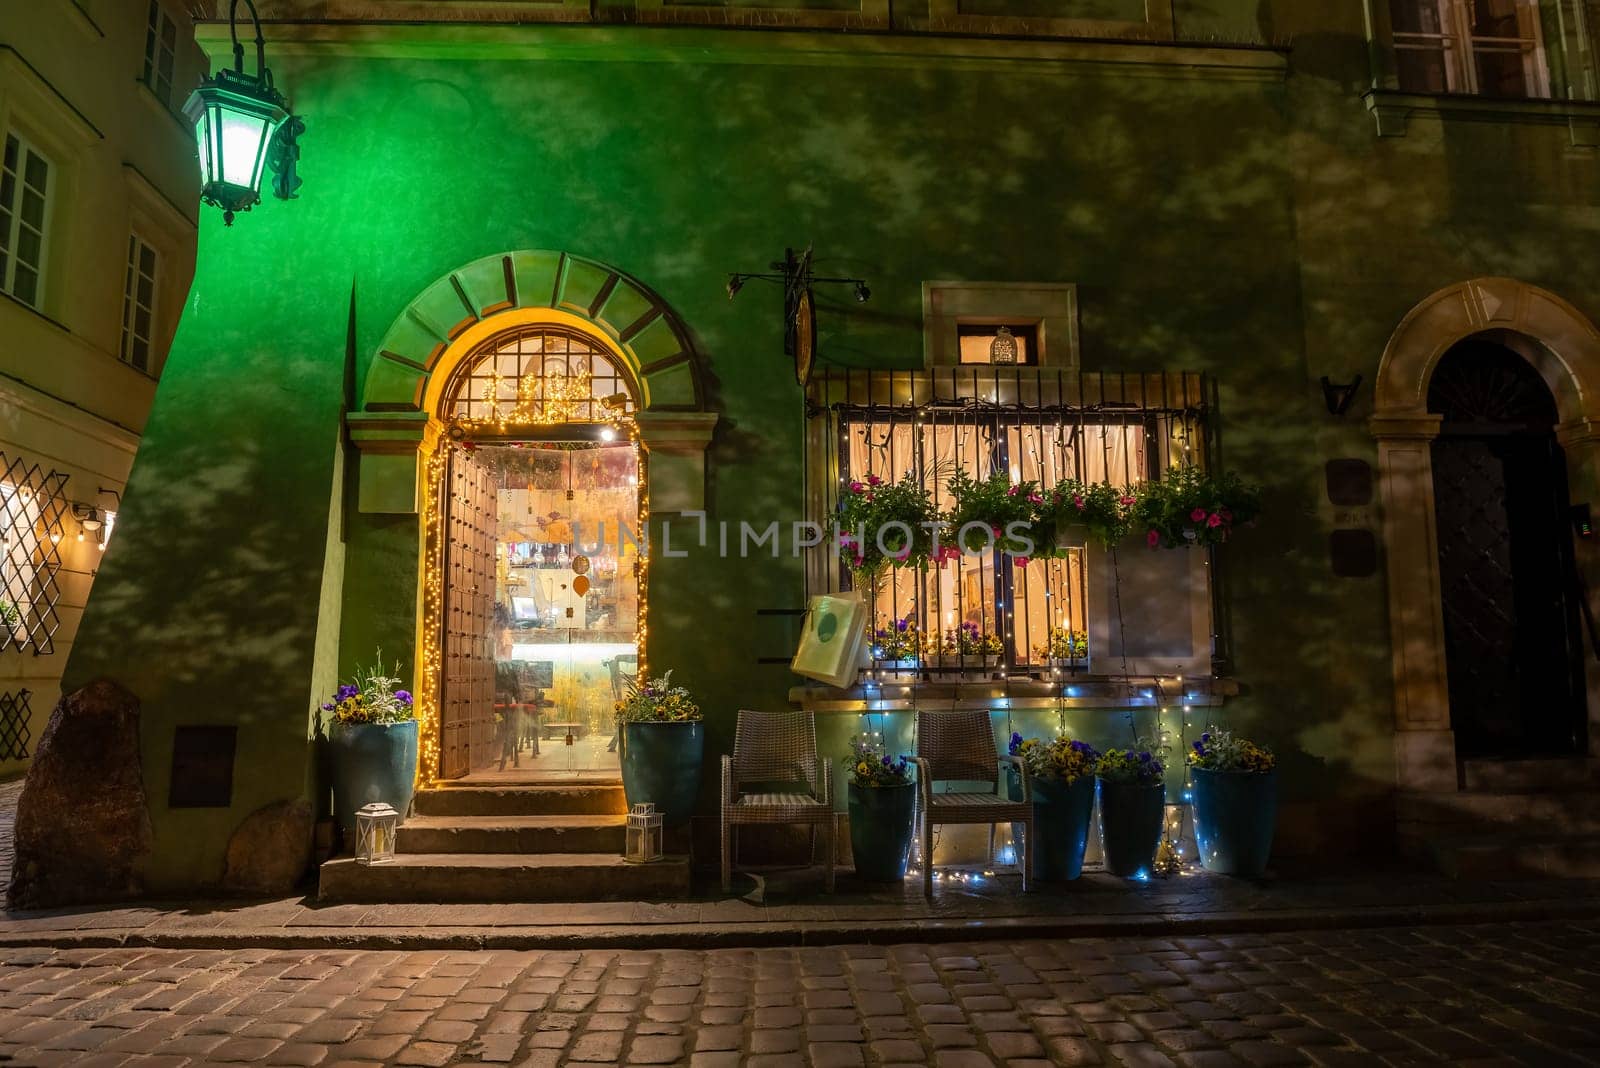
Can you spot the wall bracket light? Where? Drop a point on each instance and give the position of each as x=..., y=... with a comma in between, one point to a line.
x=243, y=126
x=794, y=273
x=1338, y=397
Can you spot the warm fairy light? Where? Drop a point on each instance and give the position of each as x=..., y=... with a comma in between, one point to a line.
x=562, y=400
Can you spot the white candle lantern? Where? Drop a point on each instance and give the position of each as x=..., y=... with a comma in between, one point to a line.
x=375, y=831
x=644, y=835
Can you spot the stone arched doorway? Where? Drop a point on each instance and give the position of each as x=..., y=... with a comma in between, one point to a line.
x=1562, y=348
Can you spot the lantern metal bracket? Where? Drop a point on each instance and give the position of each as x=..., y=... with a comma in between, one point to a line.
x=794, y=273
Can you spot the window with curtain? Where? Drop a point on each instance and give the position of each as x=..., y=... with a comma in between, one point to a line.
x=1482, y=47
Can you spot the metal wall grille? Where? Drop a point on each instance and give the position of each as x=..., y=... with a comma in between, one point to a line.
x=32, y=506
x=1036, y=425
x=545, y=374
x=14, y=734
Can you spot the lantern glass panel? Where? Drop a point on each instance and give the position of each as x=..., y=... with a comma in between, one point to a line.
x=375, y=833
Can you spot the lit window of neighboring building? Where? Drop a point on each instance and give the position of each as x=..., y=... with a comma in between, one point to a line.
x=160, y=46
x=138, y=304
x=1484, y=47
x=986, y=344
x=24, y=215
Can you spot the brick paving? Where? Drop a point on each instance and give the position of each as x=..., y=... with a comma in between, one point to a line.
x=9, y=793
x=1486, y=994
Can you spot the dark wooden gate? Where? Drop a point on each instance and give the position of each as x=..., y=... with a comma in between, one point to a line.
x=466, y=706
x=1513, y=647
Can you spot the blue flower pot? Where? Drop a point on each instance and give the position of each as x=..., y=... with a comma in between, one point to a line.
x=1235, y=814
x=372, y=762
x=661, y=765
x=1061, y=813
x=1131, y=816
x=880, y=830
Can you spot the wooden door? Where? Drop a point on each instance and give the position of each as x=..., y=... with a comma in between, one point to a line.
x=467, y=730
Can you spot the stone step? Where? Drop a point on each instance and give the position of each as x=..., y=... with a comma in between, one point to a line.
x=554, y=799
x=492, y=877
x=1552, y=813
x=1510, y=856
x=1530, y=776
x=512, y=834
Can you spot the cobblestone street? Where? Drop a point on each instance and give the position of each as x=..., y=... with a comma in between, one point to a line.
x=1484, y=994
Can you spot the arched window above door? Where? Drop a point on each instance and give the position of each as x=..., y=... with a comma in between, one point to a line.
x=538, y=375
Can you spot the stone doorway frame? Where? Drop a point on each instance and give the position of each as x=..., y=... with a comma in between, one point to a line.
x=1564, y=347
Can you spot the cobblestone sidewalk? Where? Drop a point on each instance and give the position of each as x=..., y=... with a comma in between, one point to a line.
x=9, y=793
x=1487, y=994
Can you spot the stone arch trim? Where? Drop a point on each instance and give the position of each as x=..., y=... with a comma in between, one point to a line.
x=654, y=346
x=1564, y=346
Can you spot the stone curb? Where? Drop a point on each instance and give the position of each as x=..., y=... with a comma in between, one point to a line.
x=820, y=933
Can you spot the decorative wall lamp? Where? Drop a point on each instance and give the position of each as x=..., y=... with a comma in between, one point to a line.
x=92, y=520
x=242, y=125
x=799, y=315
x=1338, y=397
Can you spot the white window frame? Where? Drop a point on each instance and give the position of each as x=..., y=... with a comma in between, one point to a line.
x=1459, y=47
x=154, y=50
x=130, y=304
x=8, y=271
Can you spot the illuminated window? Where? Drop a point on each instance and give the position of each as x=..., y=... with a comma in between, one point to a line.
x=138, y=304
x=541, y=375
x=160, y=46
x=988, y=344
x=1484, y=47
x=25, y=190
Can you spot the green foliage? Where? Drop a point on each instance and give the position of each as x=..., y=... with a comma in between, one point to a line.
x=996, y=503
x=867, y=508
x=1099, y=506
x=1063, y=643
x=1061, y=759
x=9, y=614
x=1190, y=507
x=870, y=765
x=969, y=639
x=657, y=701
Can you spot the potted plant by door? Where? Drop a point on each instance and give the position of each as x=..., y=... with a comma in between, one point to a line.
x=1235, y=803
x=882, y=801
x=372, y=739
x=1062, y=771
x=663, y=743
x=1133, y=797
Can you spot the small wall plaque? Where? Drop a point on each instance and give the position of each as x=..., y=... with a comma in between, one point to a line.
x=1349, y=482
x=202, y=767
x=1353, y=553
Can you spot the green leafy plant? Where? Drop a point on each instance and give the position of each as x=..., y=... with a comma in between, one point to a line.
x=1101, y=508
x=866, y=512
x=372, y=696
x=1190, y=507
x=870, y=765
x=1224, y=751
x=657, y=701
x=1061, y=759
x=1143, y=765
x=996, y=503
x=1063, y=643
x=10, y=615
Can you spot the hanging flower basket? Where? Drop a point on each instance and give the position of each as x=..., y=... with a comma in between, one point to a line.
x=1190, y=507
x=884, y=524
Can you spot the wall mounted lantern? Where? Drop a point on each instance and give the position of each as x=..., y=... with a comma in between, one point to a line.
x=242, y=125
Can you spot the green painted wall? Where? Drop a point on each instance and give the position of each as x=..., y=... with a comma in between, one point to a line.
x=1256, y=229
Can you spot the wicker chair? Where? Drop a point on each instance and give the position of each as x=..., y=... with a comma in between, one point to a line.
x=959, y=746
x=772, y=748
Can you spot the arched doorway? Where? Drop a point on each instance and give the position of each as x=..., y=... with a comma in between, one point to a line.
x=537, y=547
x=1562, y=348
x=1509, y=590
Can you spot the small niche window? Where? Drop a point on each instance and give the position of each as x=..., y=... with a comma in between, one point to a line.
x=160, y=48
x=138, y=304
x=1008, y=343
x=1482, y=47
x=25, y=190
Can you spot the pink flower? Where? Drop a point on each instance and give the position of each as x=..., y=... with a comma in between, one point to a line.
x=997, y=531
x=860, y=561
x=1012, y=492
x=1020, y=561
x=1077, y=502
x=1198, y=515
x=874, y=480
x=1227, y=516
x=856, y=487
x=1034, y=498
x=1153, y=538
x=846, y=540
x=1214, y=521
x=1125, y=501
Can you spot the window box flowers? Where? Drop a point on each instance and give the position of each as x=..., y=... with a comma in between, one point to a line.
x=372, y=742
x=1062, y=774
x=1190, y=507
x=1063, y=646
x=1235, y=803
x=1073, y=512
x=884, y=524
x=993, y=511
x=897, y=643
x=663, y=745
x=970, y=643
x=882, y=802
x=1133, y=796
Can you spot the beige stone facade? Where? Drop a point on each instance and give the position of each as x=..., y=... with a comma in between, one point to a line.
x=90, y=95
